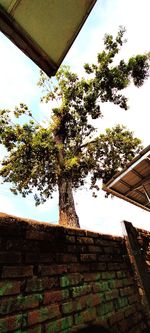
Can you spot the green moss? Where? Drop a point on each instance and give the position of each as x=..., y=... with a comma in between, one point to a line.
x=4, y=289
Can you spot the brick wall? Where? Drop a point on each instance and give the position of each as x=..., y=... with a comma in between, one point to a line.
x=144, y=241
x=54, y=279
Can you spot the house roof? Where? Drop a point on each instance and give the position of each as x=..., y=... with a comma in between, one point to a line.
x=44, y=30
x=133, y=183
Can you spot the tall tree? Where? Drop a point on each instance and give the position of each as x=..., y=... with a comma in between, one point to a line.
x=70, y=148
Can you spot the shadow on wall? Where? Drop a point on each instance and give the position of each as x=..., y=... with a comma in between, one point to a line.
x=93, y=329
x=99, y=329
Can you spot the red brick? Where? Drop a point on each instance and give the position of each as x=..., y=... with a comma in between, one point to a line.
x=18, y=303
x=9, y=287
x=130, y=311
x=111, y=295
x=52, y=269
x=35, y=234
x=11, y=323
x=70, y=239
x=116, y=317
x=59, y=325
x=125, y=325
x=17, y=271
x=85, y=240
x=85, y=316
x=95, y=249
x=71, y=248
x=113, y=266
x=10, y=257
x=80, y=290
x=92, y=234
x=126, y=291
x=38, y=258
x=96, y=267
x=35, y=329
x=88, y=257
x=37, y=284
x=43, y=314
x=133, y=298
x=73, y=279
x=55, y=296
x=66, y=258
x=91, y=277
x=75, y=268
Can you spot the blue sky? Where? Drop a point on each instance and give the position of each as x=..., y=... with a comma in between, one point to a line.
x=19, y=76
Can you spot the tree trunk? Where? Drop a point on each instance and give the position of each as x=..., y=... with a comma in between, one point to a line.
x=67, y=213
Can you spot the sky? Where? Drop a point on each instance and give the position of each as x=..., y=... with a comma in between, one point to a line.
x=18, y=79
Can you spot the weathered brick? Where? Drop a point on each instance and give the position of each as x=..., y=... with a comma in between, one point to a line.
x=130, y=311
x=70, y=239
x=109, y=249
x=11, y=323
x=121, y=274
x=92, y=234
x=133, y=298
x=126, y=291
x=124, y=325
x=51, y=270
x=40, y=258
x=22, y=245
x=94, y=249
x=38, y=284
x=71, y=248
x=91, y=277
x=35, y=329
x=35, y=234
x=116, y=317
x=43, y=314
x=128, y=281
x=8, y=287
x=115, y=284
x=80, y=290
x=78, y=267
x=18, y=303
x=17, y=271
x=98, y=267
x=121, y=302
x=113, y=266
x=105, y=308
x=85, y=316
x=85, y=240
x=66, y=258
x=110, y=295
x=71, y=280
x=100, y=286
x=73, y=306
x=10, y=257
x=108, y=275
x=88, y=257
x=55, y=296
x=59, y=325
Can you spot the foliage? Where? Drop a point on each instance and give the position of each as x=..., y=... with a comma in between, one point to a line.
x=71, y=147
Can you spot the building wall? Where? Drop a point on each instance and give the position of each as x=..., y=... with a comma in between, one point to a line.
x=53, y=279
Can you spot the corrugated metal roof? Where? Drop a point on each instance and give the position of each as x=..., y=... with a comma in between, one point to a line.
x=44, y=30
x=133, y=183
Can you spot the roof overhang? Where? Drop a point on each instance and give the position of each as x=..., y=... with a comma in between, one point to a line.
x=133, y=183
x=44, y=30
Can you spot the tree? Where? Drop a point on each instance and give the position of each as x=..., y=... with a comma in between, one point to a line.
x=62, y=155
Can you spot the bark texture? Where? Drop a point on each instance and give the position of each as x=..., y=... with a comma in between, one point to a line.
x=67, y=212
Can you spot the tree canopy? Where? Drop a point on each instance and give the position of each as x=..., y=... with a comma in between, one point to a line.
x=70, y=148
